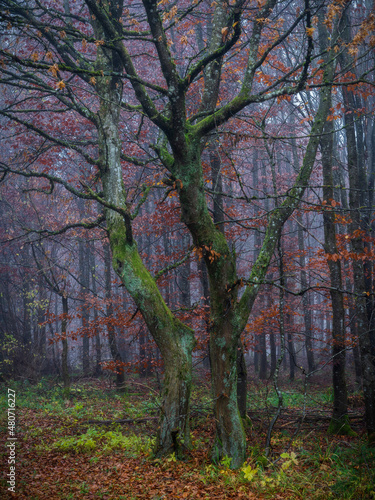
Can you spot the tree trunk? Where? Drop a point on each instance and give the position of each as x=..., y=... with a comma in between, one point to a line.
x=174, y=339
x=98, y=347
x=224, y=337
x=339, y=423
x=230, y=438
x=183, y=275
x=263, y=355
x=273, y=354
x=64, y=341
x=351, y=312
x=291, y=350
x=305, y=299
x=84, y=277
x=115, y=353
x=42, y=305
x=357, y=246
x=206, y=302
x=241, y=381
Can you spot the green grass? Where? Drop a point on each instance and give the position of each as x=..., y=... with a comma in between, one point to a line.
x=261, y=397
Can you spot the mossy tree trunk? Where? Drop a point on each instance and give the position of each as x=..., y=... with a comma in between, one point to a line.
x=174, y=339
x=113, y=347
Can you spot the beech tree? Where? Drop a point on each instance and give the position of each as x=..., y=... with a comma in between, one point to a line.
x=360, y=211
x=109, y=87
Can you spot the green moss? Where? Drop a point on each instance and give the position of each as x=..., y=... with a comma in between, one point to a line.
x=341, y=427
x=220, y=341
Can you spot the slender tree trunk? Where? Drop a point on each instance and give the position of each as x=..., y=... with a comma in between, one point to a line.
x=357, y=246
x=26, y=333
x=339, y=423
x=85, y=283
x=206, y=295
x=64, y=341
x=291, y=350
x=305, y=299
x=41, y=319
x=183, y=275
x=256, y=355
x=261, y=336
x=351, y=312
x=304, y=279
x=98, y=347
x=273, y=353
x=263, y=355
x=241, y=381
x=366, y=200
x=370, y=283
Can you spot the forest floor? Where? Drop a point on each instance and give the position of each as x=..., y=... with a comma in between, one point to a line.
x=75, y=449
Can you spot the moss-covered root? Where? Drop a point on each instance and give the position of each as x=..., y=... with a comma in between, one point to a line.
x=341, y=426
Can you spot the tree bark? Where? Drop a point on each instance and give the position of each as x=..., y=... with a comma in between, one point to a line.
x=174, y=339
x=241, y=381
x=64, y=341
x=98, y=347
x=339, y=422
x=84, y=278
x=357, y=246
x=305, y=300
x=115, y=353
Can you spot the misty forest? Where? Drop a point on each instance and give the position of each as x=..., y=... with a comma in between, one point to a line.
x=187, y=257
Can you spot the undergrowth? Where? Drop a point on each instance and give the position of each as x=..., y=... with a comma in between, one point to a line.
x=310, y=465
x=104, y=442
